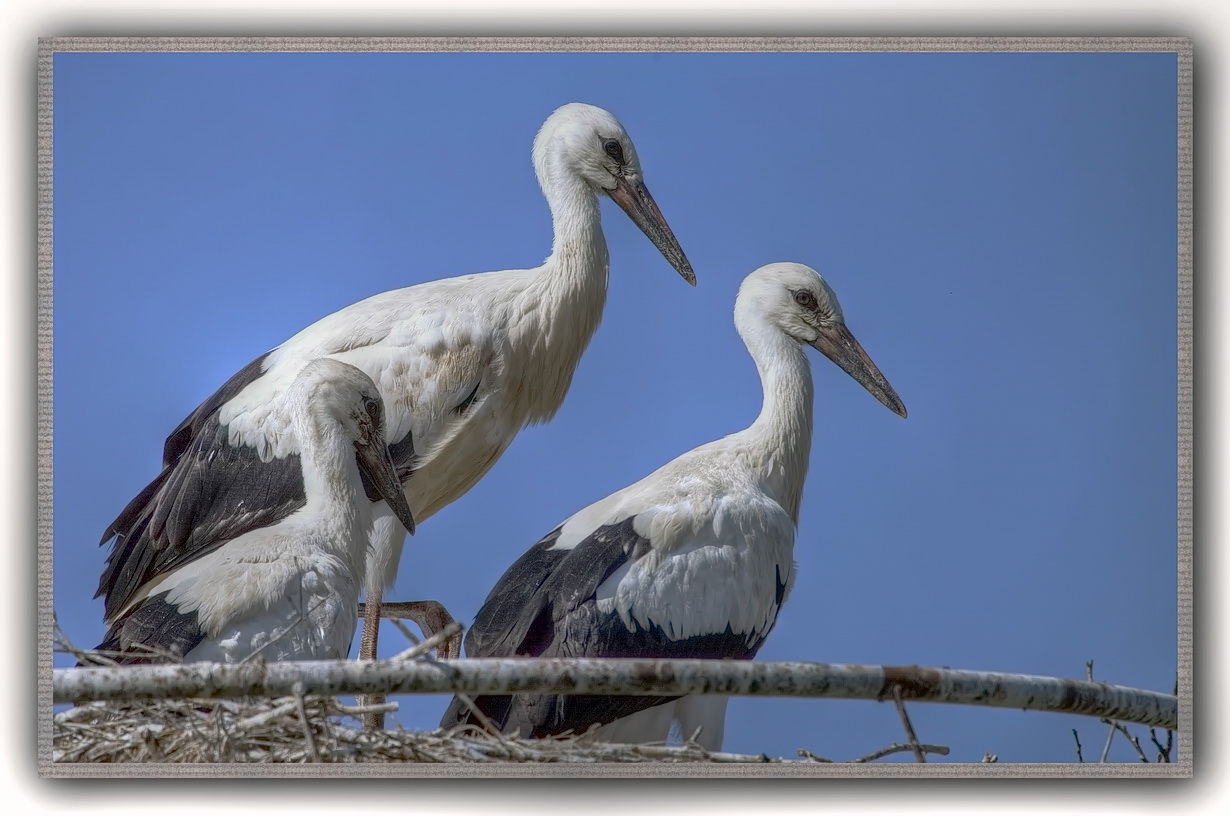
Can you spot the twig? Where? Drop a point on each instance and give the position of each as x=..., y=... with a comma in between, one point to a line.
x=1079, y=756
x=358, y=710
x=1130, y=738
x=84, y=657
x=1109, y=737
x=899, y=748
x=483, y=720
x=1163, y=752
x=692, y=751
x=909, y=728
x=405, y=631
x=264, y=718
x=307, y=726
x=451, y=630
x=803, y=752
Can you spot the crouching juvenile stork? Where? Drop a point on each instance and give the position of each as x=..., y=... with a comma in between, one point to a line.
x=694, y=560
x=216, y=588
x=462, y=364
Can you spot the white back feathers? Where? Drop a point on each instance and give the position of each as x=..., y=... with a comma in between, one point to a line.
x=694, y=560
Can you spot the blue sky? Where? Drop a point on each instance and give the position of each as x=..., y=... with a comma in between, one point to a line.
x=1000, y=229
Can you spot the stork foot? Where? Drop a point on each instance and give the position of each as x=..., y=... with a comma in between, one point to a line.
x=429, y=616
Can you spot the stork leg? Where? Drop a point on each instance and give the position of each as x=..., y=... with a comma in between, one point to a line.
x=387, y=537
x=429, y=616
x=371, y=626
x=367, y=651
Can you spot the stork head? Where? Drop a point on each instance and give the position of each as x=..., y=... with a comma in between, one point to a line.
x=798, y=301
x=340, y=399
x=591, y=145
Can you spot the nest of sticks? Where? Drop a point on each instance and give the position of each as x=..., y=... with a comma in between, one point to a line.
x=314, y=729
x=321, y=728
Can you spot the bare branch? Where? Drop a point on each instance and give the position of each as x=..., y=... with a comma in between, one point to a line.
x=898, y=748
x=1130, y=738
x=483, y=720
x=1163, y=751
x=803, y=752
x=1075, y=736
x=627, y=676
x=307, y=725
x=909, y=727
x=1110, y=736
x=266, y=717
x=450, y=632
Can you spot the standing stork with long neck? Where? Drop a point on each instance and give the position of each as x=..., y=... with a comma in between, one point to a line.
x=462, y=364
x=694, y=560
x=286, y=590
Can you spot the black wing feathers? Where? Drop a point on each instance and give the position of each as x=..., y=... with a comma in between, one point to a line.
x=212, y=493
x=545, y=606
x=540, y=607
x=545, y=585
x=151, y=632
x=182, y=437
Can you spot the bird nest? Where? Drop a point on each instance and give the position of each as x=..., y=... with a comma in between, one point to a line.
x=313, y=729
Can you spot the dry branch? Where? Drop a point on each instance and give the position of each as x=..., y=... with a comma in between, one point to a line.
x=898, y=748
x=633, y=677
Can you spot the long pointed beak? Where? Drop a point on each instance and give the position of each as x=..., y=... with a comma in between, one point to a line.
x=634, y=199
x=377, y=467
x=838, y=344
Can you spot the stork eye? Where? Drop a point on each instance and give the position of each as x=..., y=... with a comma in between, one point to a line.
x=373, y=408
x=614, y=149
x=805, y=299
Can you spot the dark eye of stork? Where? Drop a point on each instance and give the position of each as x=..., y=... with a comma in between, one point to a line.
x=373, y=409
x=805, y=299
x=614, y=149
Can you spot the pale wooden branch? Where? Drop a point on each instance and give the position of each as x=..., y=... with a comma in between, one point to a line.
x=898, y=748
x=1130, y=738
x=309, y=740
x=919, y=756
x=628, y=676
x=806, y=754
x=451, y=631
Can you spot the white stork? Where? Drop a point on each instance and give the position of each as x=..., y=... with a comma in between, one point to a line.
x=286, y=590
x=694, y=560
x=462, y=364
